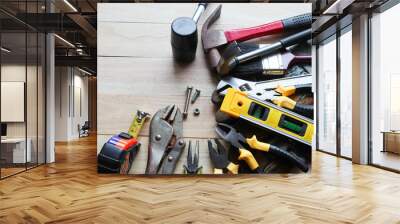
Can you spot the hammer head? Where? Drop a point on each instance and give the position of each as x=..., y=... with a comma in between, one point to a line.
x=212, y=38
x=227, y=61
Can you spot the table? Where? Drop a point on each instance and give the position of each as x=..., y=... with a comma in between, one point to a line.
x=16, y=147
x=391, y=141
x=136, y=69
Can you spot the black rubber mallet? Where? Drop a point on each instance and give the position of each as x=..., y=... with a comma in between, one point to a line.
x=184, y=36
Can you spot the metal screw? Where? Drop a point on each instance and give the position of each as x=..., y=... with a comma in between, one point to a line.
x=158, y=137
x=188, y=95
x=181, y=142
x=195, y=96
x=170, y=158
x=196, y=112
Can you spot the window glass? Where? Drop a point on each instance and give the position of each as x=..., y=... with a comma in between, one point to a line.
x=22, y=89
x=345, y=94
x=31, y=88
x=41, y=79
x=326, y=100
x=15, y=149
x=385, y=89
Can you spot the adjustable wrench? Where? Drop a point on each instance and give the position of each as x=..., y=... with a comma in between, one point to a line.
x=260, y=90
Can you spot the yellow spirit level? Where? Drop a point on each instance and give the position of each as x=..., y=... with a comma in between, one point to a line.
x=267, y=115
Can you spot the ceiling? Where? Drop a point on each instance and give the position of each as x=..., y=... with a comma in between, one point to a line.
x=75, y=22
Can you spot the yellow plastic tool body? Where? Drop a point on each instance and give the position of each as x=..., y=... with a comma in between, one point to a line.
x=286, y=90
x=248, y=157
x=285, y=102
x=137, y=123
x=232, y=169
x=267, y=115
x=255, y=144
x=218, y=171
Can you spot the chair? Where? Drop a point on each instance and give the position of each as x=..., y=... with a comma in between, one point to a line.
x=84, y=130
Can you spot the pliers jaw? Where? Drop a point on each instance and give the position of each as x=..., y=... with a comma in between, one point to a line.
x=220, y=158
x=239, y=142
x=166, y=141
x=229, y=134
x=218, y=155
x=192, y=163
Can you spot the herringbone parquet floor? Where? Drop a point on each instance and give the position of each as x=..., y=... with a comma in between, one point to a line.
x=70, y=191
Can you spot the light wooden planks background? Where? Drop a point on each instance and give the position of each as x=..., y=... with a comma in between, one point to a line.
x=136, y=69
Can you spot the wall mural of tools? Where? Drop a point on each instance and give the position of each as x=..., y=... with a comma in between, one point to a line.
x=262, y=100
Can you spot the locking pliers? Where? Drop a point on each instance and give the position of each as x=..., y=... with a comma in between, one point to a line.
x=166, y=142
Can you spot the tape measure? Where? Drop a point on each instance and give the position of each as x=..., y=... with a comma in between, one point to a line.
x=267, y=115
x=137, y=123
x=118, y=153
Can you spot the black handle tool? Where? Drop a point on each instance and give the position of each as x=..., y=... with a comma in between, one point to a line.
x=184, y=36
x=227, y=63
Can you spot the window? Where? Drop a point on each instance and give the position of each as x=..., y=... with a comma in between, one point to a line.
x=345, y=43
x=385, y=89
x=22, y=77
x=326, y=96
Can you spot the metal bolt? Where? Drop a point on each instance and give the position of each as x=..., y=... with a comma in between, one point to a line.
x=181, y=142
x=196, y=95
x=188, y=95
x=170, y=158
x=196, y=112
x=158, y=137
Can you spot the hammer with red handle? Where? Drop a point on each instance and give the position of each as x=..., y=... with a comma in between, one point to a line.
x=217, y=38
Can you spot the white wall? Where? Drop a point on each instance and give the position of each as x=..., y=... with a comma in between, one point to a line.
x=33, y=126
x=62, y=82
x=15, y=73
x=70, y=83
x=80, y=110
